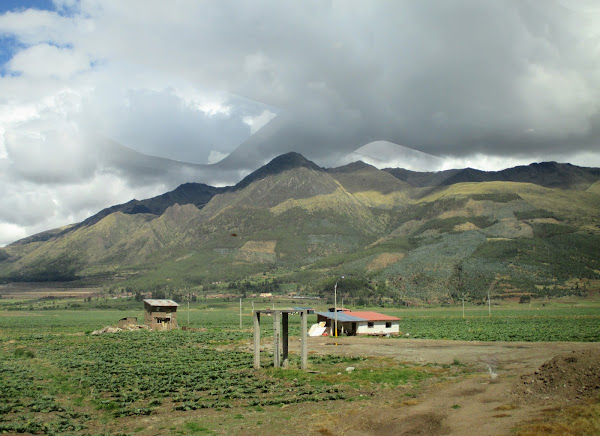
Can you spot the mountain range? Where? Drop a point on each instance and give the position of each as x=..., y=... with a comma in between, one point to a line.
x=393, y=233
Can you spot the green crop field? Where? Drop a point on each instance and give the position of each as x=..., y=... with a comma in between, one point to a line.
x=56, y=378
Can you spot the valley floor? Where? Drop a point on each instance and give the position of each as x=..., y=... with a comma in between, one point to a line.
x=491, y=398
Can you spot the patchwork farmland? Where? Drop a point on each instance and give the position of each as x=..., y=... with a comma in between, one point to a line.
x=57, y=378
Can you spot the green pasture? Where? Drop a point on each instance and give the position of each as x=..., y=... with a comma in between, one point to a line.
x=57, y=378
x=551, y=320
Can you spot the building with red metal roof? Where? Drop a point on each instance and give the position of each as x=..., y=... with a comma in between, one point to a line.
x=360, y=323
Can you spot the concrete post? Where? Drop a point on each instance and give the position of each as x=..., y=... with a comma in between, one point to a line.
x=303, y=339
x=256, y=340
x=276, y=339
x=284, y=340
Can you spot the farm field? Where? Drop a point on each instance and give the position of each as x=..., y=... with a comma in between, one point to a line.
x=56, y=378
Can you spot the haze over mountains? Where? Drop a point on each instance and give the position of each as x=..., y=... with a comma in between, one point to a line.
x=526, y=230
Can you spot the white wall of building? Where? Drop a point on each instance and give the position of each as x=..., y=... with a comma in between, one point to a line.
x=378, y=328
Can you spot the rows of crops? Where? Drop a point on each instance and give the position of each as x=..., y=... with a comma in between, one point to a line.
x=26, y=406
x=56, y=379
x=555, y=323
x=533, y=329
x=134, y=373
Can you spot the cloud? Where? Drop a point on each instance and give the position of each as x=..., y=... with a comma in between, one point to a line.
x=258, y=122
x=28, y=209
x=216, y=156
x=45, y=60
x=476, y=83
x=383, y=154
x=11, y=232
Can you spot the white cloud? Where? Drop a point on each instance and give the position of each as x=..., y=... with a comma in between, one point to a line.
x=216, y=156
x=483, y=84
x=34, y=26
x=586, y=159
x=27, y=209
x=258, y=122
x=384, y=154
x=485, y=162
x=44, y=60
x=11, y=232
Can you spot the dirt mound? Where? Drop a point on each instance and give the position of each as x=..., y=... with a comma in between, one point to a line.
x=566, y=377
x=111, y=329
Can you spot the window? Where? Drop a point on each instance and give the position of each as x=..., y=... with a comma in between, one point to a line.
x=370, y=325
x=388, y=324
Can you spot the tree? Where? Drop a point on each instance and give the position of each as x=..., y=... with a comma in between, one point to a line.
x=158, y=294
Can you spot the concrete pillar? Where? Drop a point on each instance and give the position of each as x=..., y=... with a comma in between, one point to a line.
x=276, y=339
x=303, y=339
x=284, y=339
x=256, y=340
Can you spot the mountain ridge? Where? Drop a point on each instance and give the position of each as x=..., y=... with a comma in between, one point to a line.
x=306, y=223
x=548, y=174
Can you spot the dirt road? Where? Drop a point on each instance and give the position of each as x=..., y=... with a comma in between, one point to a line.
x=490, y=401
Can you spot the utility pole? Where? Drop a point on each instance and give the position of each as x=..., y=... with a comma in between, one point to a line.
x=188, y=311
x=240, y=313
x=335, y=315
x=335, y=308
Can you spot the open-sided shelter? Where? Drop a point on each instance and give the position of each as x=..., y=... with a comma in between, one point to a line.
x=160, y=314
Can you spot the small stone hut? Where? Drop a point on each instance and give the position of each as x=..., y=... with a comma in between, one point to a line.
x=160, y=314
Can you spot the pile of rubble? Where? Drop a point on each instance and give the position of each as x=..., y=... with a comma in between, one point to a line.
x=566, y=377
x=111, y=329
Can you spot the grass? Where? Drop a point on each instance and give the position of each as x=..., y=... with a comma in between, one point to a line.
x=369, y=373
x=576, y=420
x=194, y=427
x=51, y=369
x=564, y=319
x=49, y=366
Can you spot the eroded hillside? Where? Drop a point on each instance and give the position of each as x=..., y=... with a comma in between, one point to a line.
x=396, y=240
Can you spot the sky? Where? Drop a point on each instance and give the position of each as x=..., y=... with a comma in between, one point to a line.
x=103, y=101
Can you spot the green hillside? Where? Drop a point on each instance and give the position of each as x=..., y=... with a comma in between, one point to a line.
x=303, y=226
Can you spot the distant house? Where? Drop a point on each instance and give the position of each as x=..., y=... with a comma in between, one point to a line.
x=160, y=314
x=359, y=323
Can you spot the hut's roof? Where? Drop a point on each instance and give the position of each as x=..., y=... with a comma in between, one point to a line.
x=374, y=316
x=341, y=316
x=350, y=316
x=161, y=303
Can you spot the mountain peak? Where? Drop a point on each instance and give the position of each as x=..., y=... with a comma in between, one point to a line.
x=292, y=158
x=278, y=165
x=352, y=167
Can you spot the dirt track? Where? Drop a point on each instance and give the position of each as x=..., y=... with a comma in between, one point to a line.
x=491, y=401
x=505, y=356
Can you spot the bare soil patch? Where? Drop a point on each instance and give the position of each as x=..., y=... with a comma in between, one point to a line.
x=259, y=246
x=494, y=396
x=465, y=227
x=384, y=260
x=37, y=290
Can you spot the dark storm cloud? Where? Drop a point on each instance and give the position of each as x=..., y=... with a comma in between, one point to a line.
x=474, y=82
x=160, y=123
x=449, y=78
